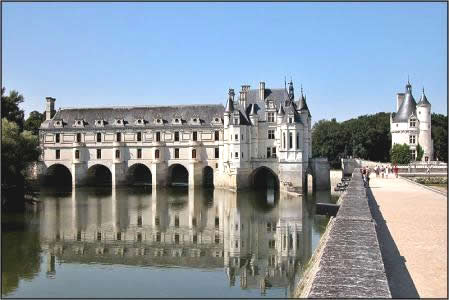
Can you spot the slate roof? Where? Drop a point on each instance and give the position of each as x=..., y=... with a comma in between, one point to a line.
x=423, y=101
x=407, y=108
x=206, y=113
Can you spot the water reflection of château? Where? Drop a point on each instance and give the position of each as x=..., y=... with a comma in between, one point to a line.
x=260, y=242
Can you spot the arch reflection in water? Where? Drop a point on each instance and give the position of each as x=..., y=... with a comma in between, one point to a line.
x=261, y=243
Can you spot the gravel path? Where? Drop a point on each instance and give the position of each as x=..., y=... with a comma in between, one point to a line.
x=412, y=233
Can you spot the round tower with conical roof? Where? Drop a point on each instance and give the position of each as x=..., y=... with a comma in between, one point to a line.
x=423, y=111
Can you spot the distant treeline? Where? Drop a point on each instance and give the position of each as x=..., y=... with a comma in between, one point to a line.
x=367, y=137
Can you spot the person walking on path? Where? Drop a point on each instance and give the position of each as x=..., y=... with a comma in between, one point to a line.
x=382, y=170
x=395, y=170
x=387, y=170
x=377, y=171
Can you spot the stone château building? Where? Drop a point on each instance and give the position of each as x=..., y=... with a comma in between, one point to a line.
x=411, y=124
x=263, y=136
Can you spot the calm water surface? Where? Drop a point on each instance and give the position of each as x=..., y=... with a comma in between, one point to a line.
x=172, y=242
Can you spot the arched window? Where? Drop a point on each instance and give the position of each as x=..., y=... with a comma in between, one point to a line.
x=156, y=153
x=193, y=153
x=117, y=153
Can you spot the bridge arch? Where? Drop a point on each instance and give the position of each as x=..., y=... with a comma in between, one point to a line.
x=208, y=176
x=57, y=175
x=139, y=173
x=99, y=175
x=178, y=175
x=264, y=177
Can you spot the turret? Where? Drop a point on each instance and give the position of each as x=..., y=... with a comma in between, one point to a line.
x=229, y=108
x=280, y=114
x=291, y=93
x=423, y=113
x=50, y=109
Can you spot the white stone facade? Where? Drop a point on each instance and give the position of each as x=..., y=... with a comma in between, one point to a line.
x=265, y=129
x=411, y=124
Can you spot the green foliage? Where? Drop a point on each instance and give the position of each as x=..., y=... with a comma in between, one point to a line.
x=439, y=136
x=34, y=122
x=19, y=149
x=400, y=154
x=431, y=180
x=366, y=137
x=10, y=107
x=419, y=152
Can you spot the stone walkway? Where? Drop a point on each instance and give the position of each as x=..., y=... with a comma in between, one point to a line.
x=412, y=232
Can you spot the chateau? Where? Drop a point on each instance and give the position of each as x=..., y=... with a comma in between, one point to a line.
x=411, y=124
x=260, y=138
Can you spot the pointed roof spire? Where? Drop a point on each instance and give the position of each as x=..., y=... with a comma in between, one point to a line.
x=408, y=86
x=229, y=105
x=281, y=110
x=253, y=110
x=407, y=107
x=423, y=100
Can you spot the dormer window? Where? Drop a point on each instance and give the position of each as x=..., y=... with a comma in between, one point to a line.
x=177, y=120
x=58, y=123
x=236, y=121
x=412, y=122
x=290, y=119
x=139, y=122
x=159, y=121
x=119, y=122
x=79, y=123
x=99, y=123
x=216, y=119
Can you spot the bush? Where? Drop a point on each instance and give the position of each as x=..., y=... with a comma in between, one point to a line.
x=400, y=154
x=431, y=180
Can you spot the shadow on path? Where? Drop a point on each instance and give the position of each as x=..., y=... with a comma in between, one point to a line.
x=399, y=279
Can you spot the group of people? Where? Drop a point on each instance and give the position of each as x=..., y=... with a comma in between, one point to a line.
x=379, y=170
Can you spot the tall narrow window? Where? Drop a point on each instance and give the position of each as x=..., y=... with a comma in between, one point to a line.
x=77, y=154
x=98, y=137
x=270, y=117
x=139, y=136
x=412, y=139
x=176, y=136
x=176, y=221
x=268, y=152
x=57, y=138
x=117, y=153
x=236, y=137
x=158, y=136
x=58, y=154
x=139, y=221
x=78, y=137
x=176, y=152
x=119, y=236
x=290, y=140
x=273, y=152
x=98, y=153
x=297, y=141
x=139, y=236
x=119, y=136
x=158, y=236
x=156, y=153
x=217, y=135
x=217, y=152
x=236, y=155
x=139, y=153
x=98, y=236
x=195, y=136
x=193, y=153
x=283, y=140
x=236, y=121
x=271, y=134
x=217, y=222
x=176, y=238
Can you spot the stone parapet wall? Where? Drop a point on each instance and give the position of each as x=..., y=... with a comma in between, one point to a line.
x=350, y=264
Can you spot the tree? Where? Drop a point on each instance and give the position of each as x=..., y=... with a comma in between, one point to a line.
x=439, y=136
x=419, y=152
x=10, y=107
x=400, y=154
x=34, y=122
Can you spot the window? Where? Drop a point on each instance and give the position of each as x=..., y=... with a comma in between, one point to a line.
x=57, y=138
x=283, y=140
x=270, y=117
x=139, y=136
x=242, y=155
x=78, y=137
x=98, y=137
x=156, y=153
x=236, y=137
x=217, y=135
x=268, y=227
x=236, y=227
x=217, y=222
x=193, y=153
x=176, y=238
x=158, y=136
x=176, y=221
x=119, y=137
x=412, y=123
x=176, y=152
x=297, y=141
x=217, y=152
x=158, y=236
x=413, y=154
x=119, y=236
x=217, y=239
x=236, y=155
x=271, y=134
x=273, y=152
x=290, y=140
x=117, y=153
x=195, y=136
x=139, y=237
x=98, y=236
x=139, y=153
x=139, y=221
x=236, y=244
x=195, y=239
x=78, y=236
x=77, y=154
x=412, y=139
x=156, y=221
x=236, y=121
x=194, y=222
x=290, y=241
x=58, y=154
x=176, y=136
x=271, y=244
x=139, y=121
x=268, y=152
x=290, y=120
x=98, y=153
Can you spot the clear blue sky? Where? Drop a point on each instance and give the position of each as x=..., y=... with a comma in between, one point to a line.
x=351, y=58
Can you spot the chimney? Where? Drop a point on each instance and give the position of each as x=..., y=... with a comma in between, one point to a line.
x=262, y=90
x=50, y=110
x=399, y=99
x=242, y=99
x=231, y=94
